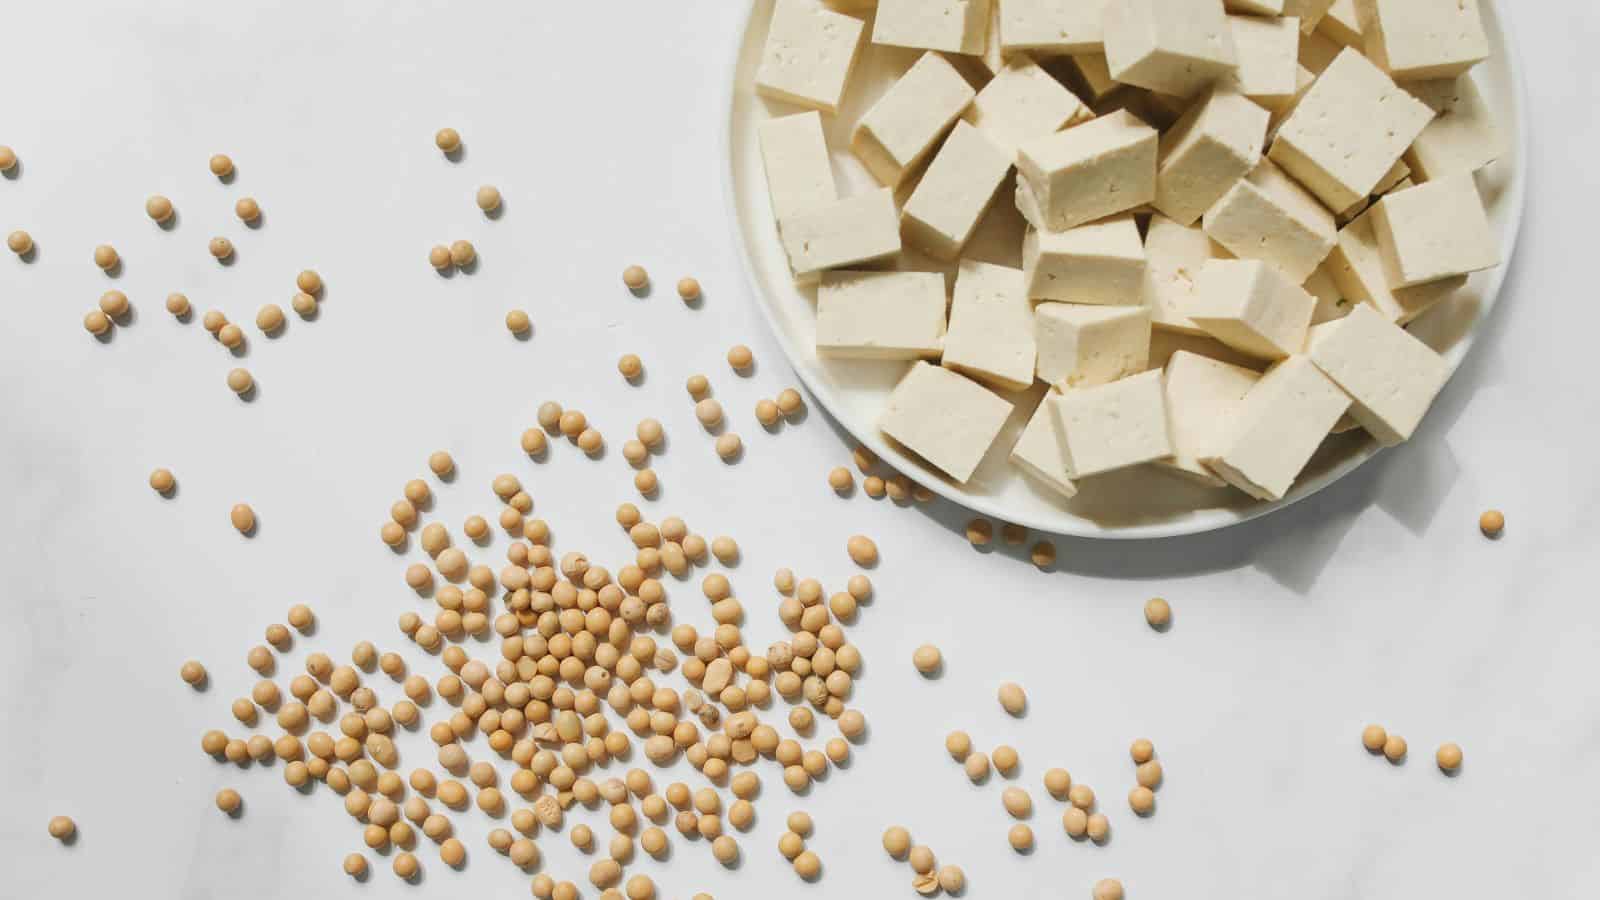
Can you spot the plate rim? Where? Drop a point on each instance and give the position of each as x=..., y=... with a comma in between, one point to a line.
x=1211, y=520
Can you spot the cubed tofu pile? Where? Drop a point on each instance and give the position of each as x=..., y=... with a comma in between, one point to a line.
x=1285, y=183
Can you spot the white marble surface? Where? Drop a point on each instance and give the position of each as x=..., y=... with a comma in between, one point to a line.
x=601, y=122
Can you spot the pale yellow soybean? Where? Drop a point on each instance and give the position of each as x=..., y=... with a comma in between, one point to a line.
x=158, y=208
x=247, y=209
x=790, y=401
x=1021, y=838
x=62, y=827
x=1017, y=802
x=1142, y=751
x=1012, y=698
x=1005, y=759
x=927, y=659
x=863, y=550
x=517, y=322
x=448, y=140
x=19, y=242
x=488, y=198
x=959, y=745
x=220, y=248
x=1107, y=889
x=688, y=289
x=1142, y=800
x=1158, y=613
x=221, y=165
x=840, y=479
x=635, y=278
x=462, y=253
x=1448, y=757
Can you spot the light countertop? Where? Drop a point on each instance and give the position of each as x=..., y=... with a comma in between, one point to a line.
x=601, y=123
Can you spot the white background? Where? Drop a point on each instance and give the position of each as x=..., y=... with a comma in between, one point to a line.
x=602, y=125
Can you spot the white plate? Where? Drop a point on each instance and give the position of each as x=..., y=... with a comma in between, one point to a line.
x=1142, y=502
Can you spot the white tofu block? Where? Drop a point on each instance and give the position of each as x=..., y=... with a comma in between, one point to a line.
x=990, y=337
x=1082, y=346
x=949, y=26
x=847, y=232
x=1254, y=7
x=1342, y=24
x=1347, y=131
x=1356, y=266
x=1090, y=171
x=1391, y=377
x=1112, y=426
x=1461, y=138
x=993, y=56
x=954, y=26
x=1216, y=143
x=1309, y=12
x=1050, y=27
x=1202, y=395
x=1317, y=51
x=905, y=125
x=946, y=419
x=795, y=154
x=880, y=315
x=1267, y=216
x=1100, y=263
x=1268, y=51
x=1331, y=301
x=808, y=55
x=1274, y=431
x=1022, y=102
x=1433, y=231
x=1038, y=451
x=1095, y=75
x=1252, y=308
x=1174, y=255
x=1177, y=47
x=1303, y=80
x=1419, y=39
x=954, y=193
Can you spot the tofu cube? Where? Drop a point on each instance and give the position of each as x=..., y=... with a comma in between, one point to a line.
x=905, y=125
x=1331, y=301
x=1356, y=266
x=1254, y=7
x=1202, y=395
x=1252, y=308
x=1269, y=52
x=954, y=193
x=1462, y=136
x=1277, y=428
x=808, y=55
x=1090, y=171
x=880, y=315
x=795, y=154
x=1083, y=346
x=1433, y=231
x=1304, y=78
x=1317, y=52
x=946, y=419
x=1216, y=143
x=1268, y=216
x=954, y=26
x=1309, y=12
x=1176, y=47
x=1391, y=376
x=1342, y=25
x=1023, y=101
x=1112, y=426
x=1093, y=75
x=1347, y=131
x=991, y=326
x=1101, y=262
x=1051, y=27
x=1174, y=255
x=993, y=56
x=1038, y=452
x=1419, y=39
x=848, y=232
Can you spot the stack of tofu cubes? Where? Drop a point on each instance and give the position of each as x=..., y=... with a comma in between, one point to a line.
x=1284, y=183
